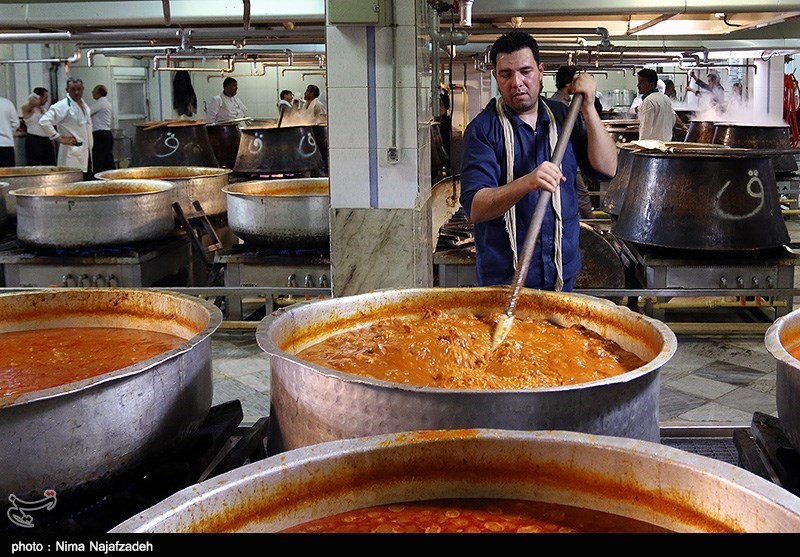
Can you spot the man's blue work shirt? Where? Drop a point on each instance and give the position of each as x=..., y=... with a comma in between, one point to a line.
x=484, y=165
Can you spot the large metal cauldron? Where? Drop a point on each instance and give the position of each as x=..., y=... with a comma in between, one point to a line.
x=281, y=213
x=615, y=195
x=702, y=201
x=783, y=336
x=172, y=143
x=284, y=150
x=35, y=176
x=700, y=131
x=312, y=404
x=758, y=136
x=83, y=433
x=96, y=213
x=660, y=485
x=192, y=183
x=224, y=138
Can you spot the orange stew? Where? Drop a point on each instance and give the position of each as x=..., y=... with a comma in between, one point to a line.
x=795, y=351
x=496, y=516
x=454, y=350
x=44, y=358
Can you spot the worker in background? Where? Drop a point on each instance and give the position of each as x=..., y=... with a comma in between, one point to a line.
x=314, y=111
x=657, y=118
x=9, y=122
x=506, y=164
x=712, y=93
x=289, y=108
x=564, y=77
x=73, y=118
x=103, y=148
x=39, y=150
x=227, y=105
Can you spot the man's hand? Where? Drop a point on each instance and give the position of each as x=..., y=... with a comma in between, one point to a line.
x=546, y=176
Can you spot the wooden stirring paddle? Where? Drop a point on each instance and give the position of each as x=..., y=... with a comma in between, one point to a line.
x=507, y=319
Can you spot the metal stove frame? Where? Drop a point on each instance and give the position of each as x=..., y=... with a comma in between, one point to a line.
x=135, y=266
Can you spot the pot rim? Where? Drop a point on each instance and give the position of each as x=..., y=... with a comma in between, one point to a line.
x=232, y=189
x=283, y=469
x=38, y=192
x=39, y=171
x=265, y=342
x=197, y=172
x=772, y=340
x=214, y=321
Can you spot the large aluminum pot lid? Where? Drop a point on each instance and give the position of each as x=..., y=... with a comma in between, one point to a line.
x=15, y=171
x=162, y=172
x=96, y=189
x=295, y=187
x=617, y=463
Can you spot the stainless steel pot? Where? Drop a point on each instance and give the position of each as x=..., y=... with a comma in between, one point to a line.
x=311, y=404
x=702, y=200
x=172, y=143
x=284, y=150
x=281, y=213
x=660, y=485
x=96, y=213
x=35, y=176
x=83, y=433
x=192, y=183
x=783, y=336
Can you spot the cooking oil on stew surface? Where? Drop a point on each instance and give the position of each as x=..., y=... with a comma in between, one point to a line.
x=43, y=358
x=454, y=350
x=450, y=516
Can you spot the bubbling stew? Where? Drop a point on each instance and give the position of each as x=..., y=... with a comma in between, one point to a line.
x=474, y=516
x=454, y=350
x=43, y=358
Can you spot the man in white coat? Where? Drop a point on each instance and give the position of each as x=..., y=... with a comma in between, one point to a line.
x=73, y=118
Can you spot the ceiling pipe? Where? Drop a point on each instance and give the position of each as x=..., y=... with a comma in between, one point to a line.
x=649, y=24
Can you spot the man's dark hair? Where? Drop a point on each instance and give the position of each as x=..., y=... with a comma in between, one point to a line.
x=649, y=75
x=314, y=89
x=227, y=81
x=101, y=89
x=564, y=76
x=512, y=42
x=284, y=93
x=39, y=91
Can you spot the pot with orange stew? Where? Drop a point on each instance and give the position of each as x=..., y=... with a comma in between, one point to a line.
x=480, y=480
x=313, y=402
x=97, y=381
x=783, y=342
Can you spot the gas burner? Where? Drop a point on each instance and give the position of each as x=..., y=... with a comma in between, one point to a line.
x=220, y=444
x=765, y=450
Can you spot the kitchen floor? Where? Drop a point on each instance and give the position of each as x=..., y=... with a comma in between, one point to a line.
x=714, y=380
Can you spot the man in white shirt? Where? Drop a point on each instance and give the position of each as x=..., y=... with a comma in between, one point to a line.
x=9, y=121
x=103, y=149
x=226, y=106
x=314, y=112
x=656, y=116
x=74, y=134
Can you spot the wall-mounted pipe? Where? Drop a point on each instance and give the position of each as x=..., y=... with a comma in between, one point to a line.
x=76, y=55
x=439, y=38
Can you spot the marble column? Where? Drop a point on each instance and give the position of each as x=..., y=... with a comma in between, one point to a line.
x=379, y=148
